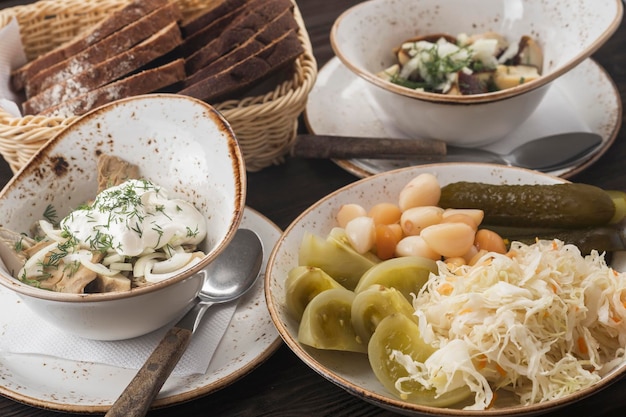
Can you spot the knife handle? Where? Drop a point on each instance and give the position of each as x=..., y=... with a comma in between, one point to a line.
x=346, y=147
x=138, y=396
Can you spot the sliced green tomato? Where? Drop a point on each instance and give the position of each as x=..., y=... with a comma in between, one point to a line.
x=335, y=257
x=303, y=284
x=326, y=322
x=399, y=333
x=375, y=303
x=407, y=274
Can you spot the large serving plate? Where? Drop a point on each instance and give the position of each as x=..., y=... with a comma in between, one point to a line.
x=340, y=104
x=85, y=387
x=352, y=371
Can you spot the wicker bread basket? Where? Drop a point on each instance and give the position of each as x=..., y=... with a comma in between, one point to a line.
x=265, y=125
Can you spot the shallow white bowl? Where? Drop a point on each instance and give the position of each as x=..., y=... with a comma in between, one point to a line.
x=352, y=371
x=181, y=144
x=568, y=32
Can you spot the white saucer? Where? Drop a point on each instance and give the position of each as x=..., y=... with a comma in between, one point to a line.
x=584, y=99
x=81, y=387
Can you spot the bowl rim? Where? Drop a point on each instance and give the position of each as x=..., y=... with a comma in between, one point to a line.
x=473, y=98
x=388, y=401
x=239, y=170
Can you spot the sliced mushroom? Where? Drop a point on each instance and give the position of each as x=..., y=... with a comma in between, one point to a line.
x=530, y=54
x=474, y=83
x=104, y=283
x=74, y=280
x=512, y=76
x=12, y=249
x=114, y=171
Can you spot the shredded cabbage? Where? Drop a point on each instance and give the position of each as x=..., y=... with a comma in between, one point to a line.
x=541, y=321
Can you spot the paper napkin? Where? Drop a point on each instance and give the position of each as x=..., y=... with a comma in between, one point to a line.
x=12, y=56
x=23, y=332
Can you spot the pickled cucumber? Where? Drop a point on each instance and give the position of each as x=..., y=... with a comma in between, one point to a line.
x=327, y=323
x=372, y=305
x=407, y=274
x=303, y=283
x=335, y=257
x=565, y=205
x=398, y=333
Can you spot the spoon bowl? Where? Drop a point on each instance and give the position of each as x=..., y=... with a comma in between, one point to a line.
x=227, y=278
x=548, y=153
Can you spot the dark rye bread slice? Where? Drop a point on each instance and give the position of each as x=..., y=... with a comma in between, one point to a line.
x=118, y=19
x=205, y=18
x=112, y=45
x=219, y=62
x=107, y=71
x=245, y=26
x=143, y=82
x=196, y=40
x=253, y=69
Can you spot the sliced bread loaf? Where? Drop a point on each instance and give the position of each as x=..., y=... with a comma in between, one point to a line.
x=220, y=62
x=245, y=26
x=281, y=52
x=117, y=20
x=143, y=82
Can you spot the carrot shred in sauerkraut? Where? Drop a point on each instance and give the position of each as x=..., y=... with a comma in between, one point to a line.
x=542, y=321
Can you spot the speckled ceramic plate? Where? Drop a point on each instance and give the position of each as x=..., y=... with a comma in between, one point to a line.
x=352, y=371
x=81, y=387
x=339, y=104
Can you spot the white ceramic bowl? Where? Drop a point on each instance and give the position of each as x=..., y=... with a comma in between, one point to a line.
x=179, y=143
x=352, y=371
x=364, y=35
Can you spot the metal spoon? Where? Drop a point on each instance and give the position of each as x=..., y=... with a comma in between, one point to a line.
x=544, y=154
x=227, y=278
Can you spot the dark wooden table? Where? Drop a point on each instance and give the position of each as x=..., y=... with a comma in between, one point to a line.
x=284, y=386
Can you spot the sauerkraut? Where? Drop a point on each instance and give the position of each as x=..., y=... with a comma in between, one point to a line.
x=541, y=321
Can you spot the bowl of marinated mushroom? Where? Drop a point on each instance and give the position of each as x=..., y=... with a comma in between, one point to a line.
x=452, y=290
x=105, y=230
x=468, y=73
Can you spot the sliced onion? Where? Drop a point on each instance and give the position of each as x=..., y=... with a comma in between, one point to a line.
x=152, y=277
x=111, y=259
x=177, y=261
x=143, y=261
x=51, y=232
x=98, y=268
x=31, y=265
x=121, y=266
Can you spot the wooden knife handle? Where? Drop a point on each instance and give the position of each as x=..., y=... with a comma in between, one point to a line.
x=346, y=147
x=138, y=396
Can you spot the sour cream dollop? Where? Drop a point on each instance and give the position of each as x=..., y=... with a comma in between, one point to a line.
x=134, y=218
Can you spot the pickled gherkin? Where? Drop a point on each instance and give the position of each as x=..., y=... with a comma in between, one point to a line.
x=327, y=323
x=372, y=305
x=407, y=274
x=302, y=285
x=399, y=333
x=566, y=205
x=335, y=257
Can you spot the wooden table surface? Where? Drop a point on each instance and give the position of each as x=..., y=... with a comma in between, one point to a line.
x=283, y=385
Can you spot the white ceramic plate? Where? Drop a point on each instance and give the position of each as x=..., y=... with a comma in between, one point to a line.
x=340, y=104
x=81, y=387
x=352, y=371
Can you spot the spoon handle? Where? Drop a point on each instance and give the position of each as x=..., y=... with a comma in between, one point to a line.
x=138, y=396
